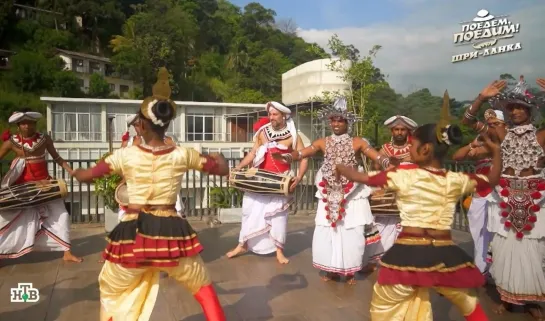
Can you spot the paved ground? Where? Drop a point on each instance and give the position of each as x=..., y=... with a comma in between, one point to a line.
x=250, y=287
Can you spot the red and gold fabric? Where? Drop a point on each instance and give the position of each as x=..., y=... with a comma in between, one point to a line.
x=521, y=198
x=427, y=198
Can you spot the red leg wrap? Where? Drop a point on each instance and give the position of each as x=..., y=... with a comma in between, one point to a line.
x=210, y=303
x=478, y=314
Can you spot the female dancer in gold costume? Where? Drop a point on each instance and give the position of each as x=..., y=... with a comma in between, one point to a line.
x=424, y=255
x=151, y=237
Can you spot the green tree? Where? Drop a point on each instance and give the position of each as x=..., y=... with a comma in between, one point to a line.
x=98, y=87
x=364, y=80
x=161, y=35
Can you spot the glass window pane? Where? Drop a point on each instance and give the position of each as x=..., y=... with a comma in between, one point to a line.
x=70, y=126
x=198, y=137
x=96, y=127
x=209, y=125
x=199, y=126
x=189, y=124
x=83, y=127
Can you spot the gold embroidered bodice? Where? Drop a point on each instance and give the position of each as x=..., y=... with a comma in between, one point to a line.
x=154, y=178
x=428, y=200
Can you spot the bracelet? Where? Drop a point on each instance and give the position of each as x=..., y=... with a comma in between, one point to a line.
x=366, y=149
x=288, y=157
x=57, y=158
x=484, y=128
x=300, y=155
x=384, y=161
x=468, y=115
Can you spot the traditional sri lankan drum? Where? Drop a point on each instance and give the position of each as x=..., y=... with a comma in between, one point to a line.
x=121, y=194
x=32, y=193
x=260, y=182
x=383, y=203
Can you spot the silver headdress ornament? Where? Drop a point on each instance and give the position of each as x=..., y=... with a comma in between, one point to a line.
x=519, y=95
x=338, y=109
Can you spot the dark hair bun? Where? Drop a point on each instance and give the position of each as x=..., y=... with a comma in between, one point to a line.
x=163, y=111
x=455, y=135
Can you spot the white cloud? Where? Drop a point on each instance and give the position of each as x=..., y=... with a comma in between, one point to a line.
x=416, y=52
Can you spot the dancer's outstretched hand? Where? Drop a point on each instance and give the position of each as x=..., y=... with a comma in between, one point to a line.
x=493, y=89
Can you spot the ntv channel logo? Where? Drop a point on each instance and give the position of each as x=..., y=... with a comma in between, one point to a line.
x=483, y=34
x=24, y=292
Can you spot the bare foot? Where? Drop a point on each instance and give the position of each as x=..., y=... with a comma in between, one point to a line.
x=237, y=251
x=329, y=276
x=281, y=258
x=535, y=311
x=500, y=308
x=350, y=280
x=69, y=257
x=369, y=268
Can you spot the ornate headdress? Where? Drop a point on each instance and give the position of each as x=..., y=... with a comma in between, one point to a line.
x=443, y=126
x=494, y=113
x=401, y=120
x=339, y=108
x=160, y=92
x=18, y=116
x=519, y=95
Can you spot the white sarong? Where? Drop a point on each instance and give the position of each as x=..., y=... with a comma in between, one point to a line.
x=477, y=216
x=264, y=222
x=389, y=228
x=340, y=249
x=44, y=227
x=518, y=264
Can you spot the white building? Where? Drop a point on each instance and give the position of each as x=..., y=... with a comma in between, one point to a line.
x=84, y=65
x=78, y=127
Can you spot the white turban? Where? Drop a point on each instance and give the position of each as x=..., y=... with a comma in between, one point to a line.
x=494, y=113
x=18, y=117
x=131, y=119
x=289, y=121
x=401, y=121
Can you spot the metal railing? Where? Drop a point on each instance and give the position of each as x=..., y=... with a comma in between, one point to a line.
x=201, y=194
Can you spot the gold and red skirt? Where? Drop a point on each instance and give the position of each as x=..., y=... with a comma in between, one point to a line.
x=151, y=238
x=423, y=261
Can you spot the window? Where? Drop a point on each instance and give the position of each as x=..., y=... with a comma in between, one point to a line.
x=124, y=91
x=200, y=127
x=77, y=65
x=77, y=123
x=81, y=83
x=109, y=71
x=112, y=87
x=119, y=123
x=94, y=67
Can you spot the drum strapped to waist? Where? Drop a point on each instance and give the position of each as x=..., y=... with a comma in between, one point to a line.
x=383, y=203
x=31, y=194
x=122, y=195
x=260, y=182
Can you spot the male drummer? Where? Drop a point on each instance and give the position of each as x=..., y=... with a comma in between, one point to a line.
x=43, y=227
x=389, y=225
x=264, y=217
x=338, y=243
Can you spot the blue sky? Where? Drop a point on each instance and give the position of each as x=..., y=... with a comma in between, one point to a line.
x=416, y=38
